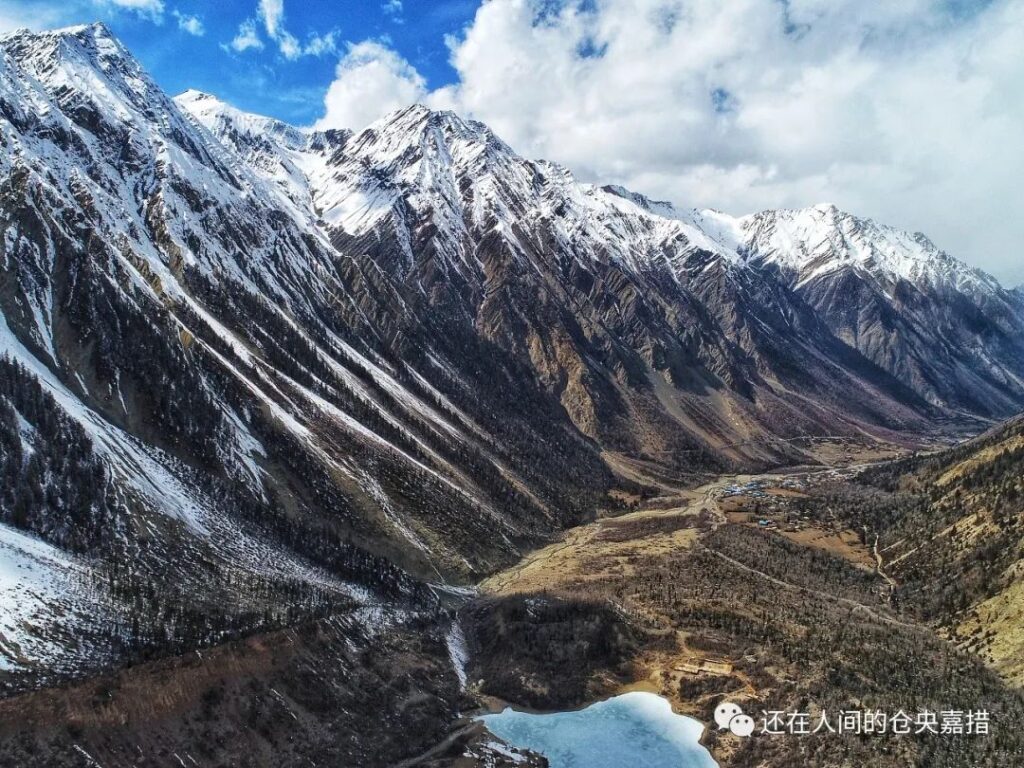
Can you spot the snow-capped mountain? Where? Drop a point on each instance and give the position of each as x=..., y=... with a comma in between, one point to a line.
x=950, y=332
x=310, y=371
x=463, y=179
x=205, y=343
x=275, y=150
x=821, y=240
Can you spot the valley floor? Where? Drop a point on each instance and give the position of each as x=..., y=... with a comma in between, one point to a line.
x=754, y=588
x=737, y=591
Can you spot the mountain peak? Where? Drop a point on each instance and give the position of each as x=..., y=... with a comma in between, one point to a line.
x=95, y=30
x=658, y=207
x=86, y=63
x=95, y=38
x=219, y=117
x=420, y=113
x=822, y=239
x=415, y=123
x=194, y=96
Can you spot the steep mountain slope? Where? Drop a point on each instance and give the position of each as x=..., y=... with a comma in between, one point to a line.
x=275, y=150
x=217, y=370
x=951, y=333
x=640, y=322
x=253, y=375
x=954, y=537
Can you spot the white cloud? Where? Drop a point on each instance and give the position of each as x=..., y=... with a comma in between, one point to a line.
x=272, y=12
x=51, y=14
x=151, y=9
x=321, y=45
x=288, y=45
x=188, y=23
x=247, y=37
x=371, y=80
x=316, y=45
x=392, y=8
x=14, y=16
x=908, y=112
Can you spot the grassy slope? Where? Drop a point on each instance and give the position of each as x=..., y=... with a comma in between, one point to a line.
x=956, y=542
x=804, y=628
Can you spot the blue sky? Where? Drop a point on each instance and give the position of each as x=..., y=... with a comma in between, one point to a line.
x=908, y=112
x=259, y=79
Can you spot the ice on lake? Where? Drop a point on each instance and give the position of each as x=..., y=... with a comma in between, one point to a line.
x=633, y=729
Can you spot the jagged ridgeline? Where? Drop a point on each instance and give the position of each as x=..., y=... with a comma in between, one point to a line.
x=254, y=373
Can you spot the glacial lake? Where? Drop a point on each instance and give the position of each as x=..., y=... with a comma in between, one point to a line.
x=634, y=729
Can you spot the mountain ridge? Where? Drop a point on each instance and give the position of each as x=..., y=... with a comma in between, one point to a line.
x=812, y=249
x=920, y=259
x=360, y=368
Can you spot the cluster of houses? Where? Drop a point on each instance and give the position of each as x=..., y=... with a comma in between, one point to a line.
x=758, y=490
x=754, y=488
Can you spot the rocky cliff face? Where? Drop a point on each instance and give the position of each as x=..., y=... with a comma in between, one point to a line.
x=951, y=333
x=234, y=381
x=635, y=317
x=318, y=372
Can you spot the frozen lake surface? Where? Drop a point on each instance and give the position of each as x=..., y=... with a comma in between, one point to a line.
x=634, y=729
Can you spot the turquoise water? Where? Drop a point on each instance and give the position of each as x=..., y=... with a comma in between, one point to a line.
x=634, y=729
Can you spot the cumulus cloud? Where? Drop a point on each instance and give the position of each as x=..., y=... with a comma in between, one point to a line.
x=908, y=112
x=188, y=23
x=393, y=9
x=371, y=80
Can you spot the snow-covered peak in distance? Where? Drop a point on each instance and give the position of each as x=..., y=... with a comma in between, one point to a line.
x=417, y=165
x=468, y=182
x=218, y=116
x=460, y=171
x=441, y=202
x=810, y=242
x=398, y=130
x=822, y=239
x=420, y=145
x=439, y=164
x=660, y=207
x=451, y=167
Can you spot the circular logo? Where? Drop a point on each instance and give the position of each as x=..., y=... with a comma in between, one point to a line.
x=730, y=717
